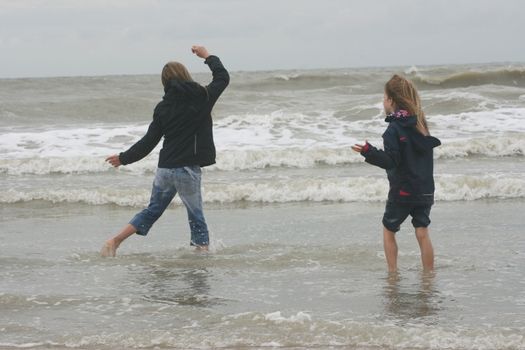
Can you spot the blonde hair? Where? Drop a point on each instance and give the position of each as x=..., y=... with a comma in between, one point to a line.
x=404, y=95
x=174, y=70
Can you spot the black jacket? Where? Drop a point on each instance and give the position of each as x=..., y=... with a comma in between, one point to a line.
x=183, y=117
x=408, y=160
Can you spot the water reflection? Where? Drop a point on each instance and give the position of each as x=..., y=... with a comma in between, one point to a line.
x=406, y=302
x=178, y=286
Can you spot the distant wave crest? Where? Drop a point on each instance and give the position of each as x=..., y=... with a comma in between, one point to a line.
x=507, y=77
x=501, y=76
x=311, y=80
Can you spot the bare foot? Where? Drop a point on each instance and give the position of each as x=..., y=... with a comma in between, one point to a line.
x=109, y=249
x=201, y=249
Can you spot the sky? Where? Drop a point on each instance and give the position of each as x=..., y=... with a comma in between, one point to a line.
x=41, y=38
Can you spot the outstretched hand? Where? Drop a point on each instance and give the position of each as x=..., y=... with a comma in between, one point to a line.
x=200, y=51
x=359, y=148
x=114, y=160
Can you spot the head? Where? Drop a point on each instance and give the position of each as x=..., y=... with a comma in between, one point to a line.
x=400, y=93
x=174, y=70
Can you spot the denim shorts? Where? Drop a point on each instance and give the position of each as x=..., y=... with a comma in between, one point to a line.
x=186, y=181
x=396, y=214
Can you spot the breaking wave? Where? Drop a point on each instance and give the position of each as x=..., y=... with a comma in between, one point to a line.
x=249, y=159
x=506, y=77
x=357, y=189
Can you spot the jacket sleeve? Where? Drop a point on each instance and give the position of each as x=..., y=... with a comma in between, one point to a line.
x=221, y=78
x=387, y=159
x=144, y=146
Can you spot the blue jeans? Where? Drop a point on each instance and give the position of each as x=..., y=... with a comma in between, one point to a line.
x=187, y=182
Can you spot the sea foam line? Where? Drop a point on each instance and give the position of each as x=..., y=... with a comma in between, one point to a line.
x=297, y=331
x=356, y=189
x=277, y=130
x=248, y=159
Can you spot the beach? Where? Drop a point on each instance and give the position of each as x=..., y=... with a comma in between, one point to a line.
x=296, y=258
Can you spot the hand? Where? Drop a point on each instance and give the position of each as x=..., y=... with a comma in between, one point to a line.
x=114, y=160
x=200, y=51
x=359, y=148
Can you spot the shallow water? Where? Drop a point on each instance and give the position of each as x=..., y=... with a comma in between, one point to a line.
x=309, y=276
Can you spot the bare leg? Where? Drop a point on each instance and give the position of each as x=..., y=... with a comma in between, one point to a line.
x=425, y=245
x=110, y=247
x=390, y=245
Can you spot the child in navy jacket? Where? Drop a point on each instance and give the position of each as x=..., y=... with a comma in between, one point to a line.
x=408, y=160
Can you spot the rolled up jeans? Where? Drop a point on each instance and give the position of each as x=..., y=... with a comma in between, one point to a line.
x=186, y=181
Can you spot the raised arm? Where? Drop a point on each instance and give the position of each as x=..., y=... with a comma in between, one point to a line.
x=221, y=78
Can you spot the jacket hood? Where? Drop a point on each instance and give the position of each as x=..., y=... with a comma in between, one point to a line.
x=423, y=144
x=183, y=89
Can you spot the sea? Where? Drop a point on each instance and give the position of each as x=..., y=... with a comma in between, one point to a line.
x=296, y=258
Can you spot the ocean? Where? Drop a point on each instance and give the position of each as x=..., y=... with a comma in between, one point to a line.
x=296, y=257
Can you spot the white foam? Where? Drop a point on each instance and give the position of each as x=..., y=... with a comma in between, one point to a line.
x=299, y=331
x=286, y=190
x=281, y=129
x=463, y=187
x=264, y=157
x=132, y=198
x=284, y=157
x=412, y=70
x=25, y=345
x=503, y=146
x=480, y=123
x=286, y=77
x=72, y=165
x=456, y=94
x=300, y=317
x=71, y=142
x=254, y=141
x=277, y=130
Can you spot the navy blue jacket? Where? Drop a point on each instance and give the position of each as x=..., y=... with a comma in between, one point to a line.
x=408, y=160
x=183, y=118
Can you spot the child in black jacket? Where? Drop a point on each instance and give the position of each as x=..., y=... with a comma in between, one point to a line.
x=183, y=119
x=408, y=159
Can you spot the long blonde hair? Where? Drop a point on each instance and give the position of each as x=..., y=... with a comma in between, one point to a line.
x=404, y=95
x=174, y=70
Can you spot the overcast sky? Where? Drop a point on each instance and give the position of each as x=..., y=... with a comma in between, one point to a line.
x=95, y=37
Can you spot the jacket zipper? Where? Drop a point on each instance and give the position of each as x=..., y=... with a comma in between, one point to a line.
x=195, y=146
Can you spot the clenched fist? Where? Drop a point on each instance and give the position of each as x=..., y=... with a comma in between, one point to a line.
x=200, y=51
